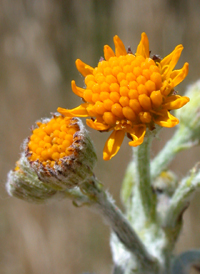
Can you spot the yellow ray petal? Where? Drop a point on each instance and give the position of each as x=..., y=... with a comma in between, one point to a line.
x=91, y=110
x=165, y=61
x=179, y=75
x=113, y=144
x=175, y=57
x=83, y=68
x=137, y=133
x=166, y=119
x=143, y=47
x=175, y=102
x=108, y=52
x=97, y=125
x=79, y=111
x=119, y=46
x=176, y=72
x=78, y=91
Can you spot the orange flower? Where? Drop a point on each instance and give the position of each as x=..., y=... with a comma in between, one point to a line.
x=52, y=140
x=128, y=93
x=56, y=151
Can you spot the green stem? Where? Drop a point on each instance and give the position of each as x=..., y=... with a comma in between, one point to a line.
x=123, y=229
x=143, y=178
x=77, y=196
x=180, y=141
x=126, y=235
x=181, y=199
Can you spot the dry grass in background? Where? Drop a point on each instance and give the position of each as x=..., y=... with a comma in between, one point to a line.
x=39, y=43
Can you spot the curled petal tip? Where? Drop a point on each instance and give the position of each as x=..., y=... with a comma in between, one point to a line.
x=179, y=47
x=106, y=157
x=143, y=35
x=113, y=144
x=186, y=67
x=119, y=46
x=108, y=52
x=116, y=37
x=166, y=120
x=143, y=47
x=78, y=91
x=97, y=125
x=78, y=63
x=83, y=68
x=80, y=111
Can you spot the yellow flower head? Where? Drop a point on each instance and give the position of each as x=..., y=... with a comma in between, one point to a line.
x=52, y=140
x=56, y=151
x=128, y=93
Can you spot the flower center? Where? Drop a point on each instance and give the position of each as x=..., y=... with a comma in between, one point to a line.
x=125, y=87
x=51, y=141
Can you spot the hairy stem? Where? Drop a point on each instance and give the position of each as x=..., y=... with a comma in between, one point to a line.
x=143, y=178
x=181, y=199
x=180, y=141
x=104, y=204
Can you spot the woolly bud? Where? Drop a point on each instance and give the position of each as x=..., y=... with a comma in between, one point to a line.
x=27, y=186
x=166, y=183
x=57, y=157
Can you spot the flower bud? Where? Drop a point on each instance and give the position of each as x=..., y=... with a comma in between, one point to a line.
x=189, y=116
x=27, y=186
x=166, y=183
x=60, y=152
x=57, y=157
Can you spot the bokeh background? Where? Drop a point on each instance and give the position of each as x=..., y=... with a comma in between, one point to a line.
x=39, y=43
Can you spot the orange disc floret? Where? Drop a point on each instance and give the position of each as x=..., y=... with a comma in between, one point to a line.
x=51, y=140
x=122, y=79
x=129, y=93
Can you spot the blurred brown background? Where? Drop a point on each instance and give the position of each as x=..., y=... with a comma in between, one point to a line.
x=39, y=43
